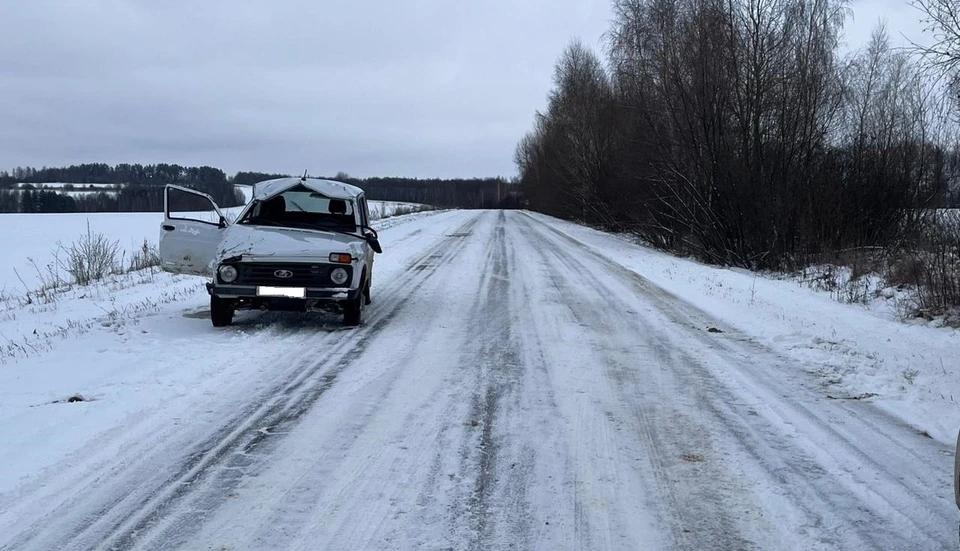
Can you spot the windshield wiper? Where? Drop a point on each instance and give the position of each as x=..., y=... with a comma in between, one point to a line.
x=365, y=231
x=258, y=222
x=334, y=228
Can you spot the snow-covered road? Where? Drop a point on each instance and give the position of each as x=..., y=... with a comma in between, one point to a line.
x=511, y=388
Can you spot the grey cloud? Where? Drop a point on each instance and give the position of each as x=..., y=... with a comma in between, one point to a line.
x=419, y=88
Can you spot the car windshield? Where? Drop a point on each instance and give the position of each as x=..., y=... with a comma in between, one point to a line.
x=303, y=208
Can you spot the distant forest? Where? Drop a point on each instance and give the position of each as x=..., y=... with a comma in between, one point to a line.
x=139, y=188
x=483, y=193
x=467, y=193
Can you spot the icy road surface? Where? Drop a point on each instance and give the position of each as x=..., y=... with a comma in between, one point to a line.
x=510, y=389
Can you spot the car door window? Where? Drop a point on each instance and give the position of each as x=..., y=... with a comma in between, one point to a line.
x=365, y=210
x=186, y=204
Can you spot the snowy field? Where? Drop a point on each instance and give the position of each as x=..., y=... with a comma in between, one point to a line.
x=33, y=238
x=519, y=381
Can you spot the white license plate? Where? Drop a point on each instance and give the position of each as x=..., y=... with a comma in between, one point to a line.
x=289, y=292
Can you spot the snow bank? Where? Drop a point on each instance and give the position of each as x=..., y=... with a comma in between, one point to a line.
x=386, y=209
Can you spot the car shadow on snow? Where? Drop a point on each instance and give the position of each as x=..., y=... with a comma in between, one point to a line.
x=314, y=321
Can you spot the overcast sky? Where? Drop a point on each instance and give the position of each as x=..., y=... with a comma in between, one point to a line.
x=370, y=87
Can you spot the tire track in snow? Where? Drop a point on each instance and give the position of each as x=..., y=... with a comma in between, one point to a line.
x=662, y=430
x=493, y=491
x=815, y=502
x=392, y=299
x=350, y=494
x=824, y=465
x=77, y=515
x=112, y=451
x=125, y=523
x=498, y=494
x=472, y=483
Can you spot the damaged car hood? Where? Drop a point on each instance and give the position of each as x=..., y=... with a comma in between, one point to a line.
x=285, y=244
x=329, y=188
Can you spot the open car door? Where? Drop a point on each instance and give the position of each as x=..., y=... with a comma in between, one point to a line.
x=191, y=231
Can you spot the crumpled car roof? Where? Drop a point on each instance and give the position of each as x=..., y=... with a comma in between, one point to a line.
x=334, y=190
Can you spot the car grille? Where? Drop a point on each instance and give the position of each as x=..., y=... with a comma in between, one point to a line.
x=301, y=275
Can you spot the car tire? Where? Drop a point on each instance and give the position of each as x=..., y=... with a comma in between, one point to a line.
x=221, y=311
x=353, y=312
x=353, y=309
x=366, y=294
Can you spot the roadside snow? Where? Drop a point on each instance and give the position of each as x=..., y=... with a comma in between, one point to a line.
x=30, y=242
x=386, y=209
x=109, y=343
x=34, y=237
x=859, y=353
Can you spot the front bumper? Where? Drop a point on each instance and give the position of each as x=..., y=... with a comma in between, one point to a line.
x=249, y=292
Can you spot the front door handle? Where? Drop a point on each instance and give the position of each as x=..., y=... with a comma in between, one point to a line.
x=168, y=227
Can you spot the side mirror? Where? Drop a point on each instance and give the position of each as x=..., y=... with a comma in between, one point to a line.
x=374, y=243
x=223, y=223
x=372, y=239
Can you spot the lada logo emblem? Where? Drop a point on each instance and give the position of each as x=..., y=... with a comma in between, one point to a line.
x=283, y=274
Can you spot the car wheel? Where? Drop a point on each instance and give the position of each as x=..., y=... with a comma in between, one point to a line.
x=353, y=309
x=221, y=311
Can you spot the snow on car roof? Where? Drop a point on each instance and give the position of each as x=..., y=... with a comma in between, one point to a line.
x=334, y=190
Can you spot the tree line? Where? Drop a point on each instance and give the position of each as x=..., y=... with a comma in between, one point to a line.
x=467, y=193
x=736, y=131
x=137, y=188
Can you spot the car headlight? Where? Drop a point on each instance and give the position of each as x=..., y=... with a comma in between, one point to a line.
x=228, y=274
x=339, y=276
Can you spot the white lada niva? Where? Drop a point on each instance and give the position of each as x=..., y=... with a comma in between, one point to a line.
x=300, y=244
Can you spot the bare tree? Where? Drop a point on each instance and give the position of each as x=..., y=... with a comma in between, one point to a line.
x=571, y=149
x=734, y=131
x=942, y=21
